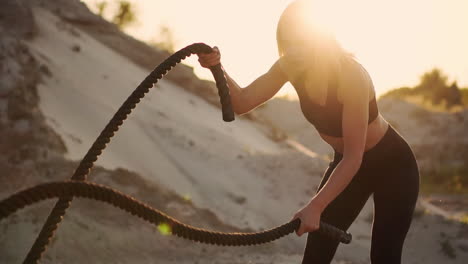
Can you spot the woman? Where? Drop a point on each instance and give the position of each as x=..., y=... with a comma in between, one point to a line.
x=337, y=96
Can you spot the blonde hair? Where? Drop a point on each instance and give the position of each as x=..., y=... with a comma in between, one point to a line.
x=306, y=48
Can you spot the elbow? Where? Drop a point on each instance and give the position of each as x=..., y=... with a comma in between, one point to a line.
x=238, y=110
x=240, y=106
x=354, y=162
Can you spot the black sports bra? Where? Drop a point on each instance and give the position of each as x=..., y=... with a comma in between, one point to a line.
x=327, y=119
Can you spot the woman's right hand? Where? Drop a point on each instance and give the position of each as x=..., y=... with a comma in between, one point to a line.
x=208, y=60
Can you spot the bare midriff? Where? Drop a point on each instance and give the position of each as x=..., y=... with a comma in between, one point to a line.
x=375, y=131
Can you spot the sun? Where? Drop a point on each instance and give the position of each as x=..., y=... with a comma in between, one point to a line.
x=318, y=14
x=345, y=20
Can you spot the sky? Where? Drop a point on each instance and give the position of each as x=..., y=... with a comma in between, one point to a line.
x=396, y=41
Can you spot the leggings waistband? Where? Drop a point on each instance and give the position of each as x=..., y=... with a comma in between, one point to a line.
x=385, y=144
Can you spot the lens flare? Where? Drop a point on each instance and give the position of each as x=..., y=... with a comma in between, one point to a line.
x=165, y=229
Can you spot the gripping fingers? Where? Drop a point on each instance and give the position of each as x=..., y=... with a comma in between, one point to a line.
x=209, y=62
x=306, y=228
x=210, y=59
x=216, y=51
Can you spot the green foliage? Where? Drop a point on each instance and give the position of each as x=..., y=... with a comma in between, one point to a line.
x=165, y=39
x=445, y=167
x=432, y=81
x=433, y=87
x=453, y=96
x=445, y=179
x=464, y=95
x=101, y=7
x=124, y=13
x=455, y=176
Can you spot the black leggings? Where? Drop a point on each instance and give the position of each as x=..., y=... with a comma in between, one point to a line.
x=389, y=171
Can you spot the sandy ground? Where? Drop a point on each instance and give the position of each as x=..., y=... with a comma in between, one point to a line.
x=176, y=144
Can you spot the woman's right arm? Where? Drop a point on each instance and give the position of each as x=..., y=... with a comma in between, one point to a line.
x=243, y=100
x=259, y=91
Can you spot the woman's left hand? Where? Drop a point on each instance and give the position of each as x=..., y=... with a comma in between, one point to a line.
x=310, y=218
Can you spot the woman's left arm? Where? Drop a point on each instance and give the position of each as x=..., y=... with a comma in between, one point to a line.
x=355, y=118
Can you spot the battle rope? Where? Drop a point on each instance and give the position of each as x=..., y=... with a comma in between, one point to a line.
x=131, y=205
x=103, y=139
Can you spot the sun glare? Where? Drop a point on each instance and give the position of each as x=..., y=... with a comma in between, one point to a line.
x=351, y=22
x=396, y=41
x=319, y=14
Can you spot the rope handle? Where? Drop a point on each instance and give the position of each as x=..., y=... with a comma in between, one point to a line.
x=221, y=84
x=223, y=92
x=329, y=231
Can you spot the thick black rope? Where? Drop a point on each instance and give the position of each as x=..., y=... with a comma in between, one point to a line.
x=146, y=212
x=103, y=139
x=55, y=217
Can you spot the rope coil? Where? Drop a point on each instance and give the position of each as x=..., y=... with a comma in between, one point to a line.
x=129, y=204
